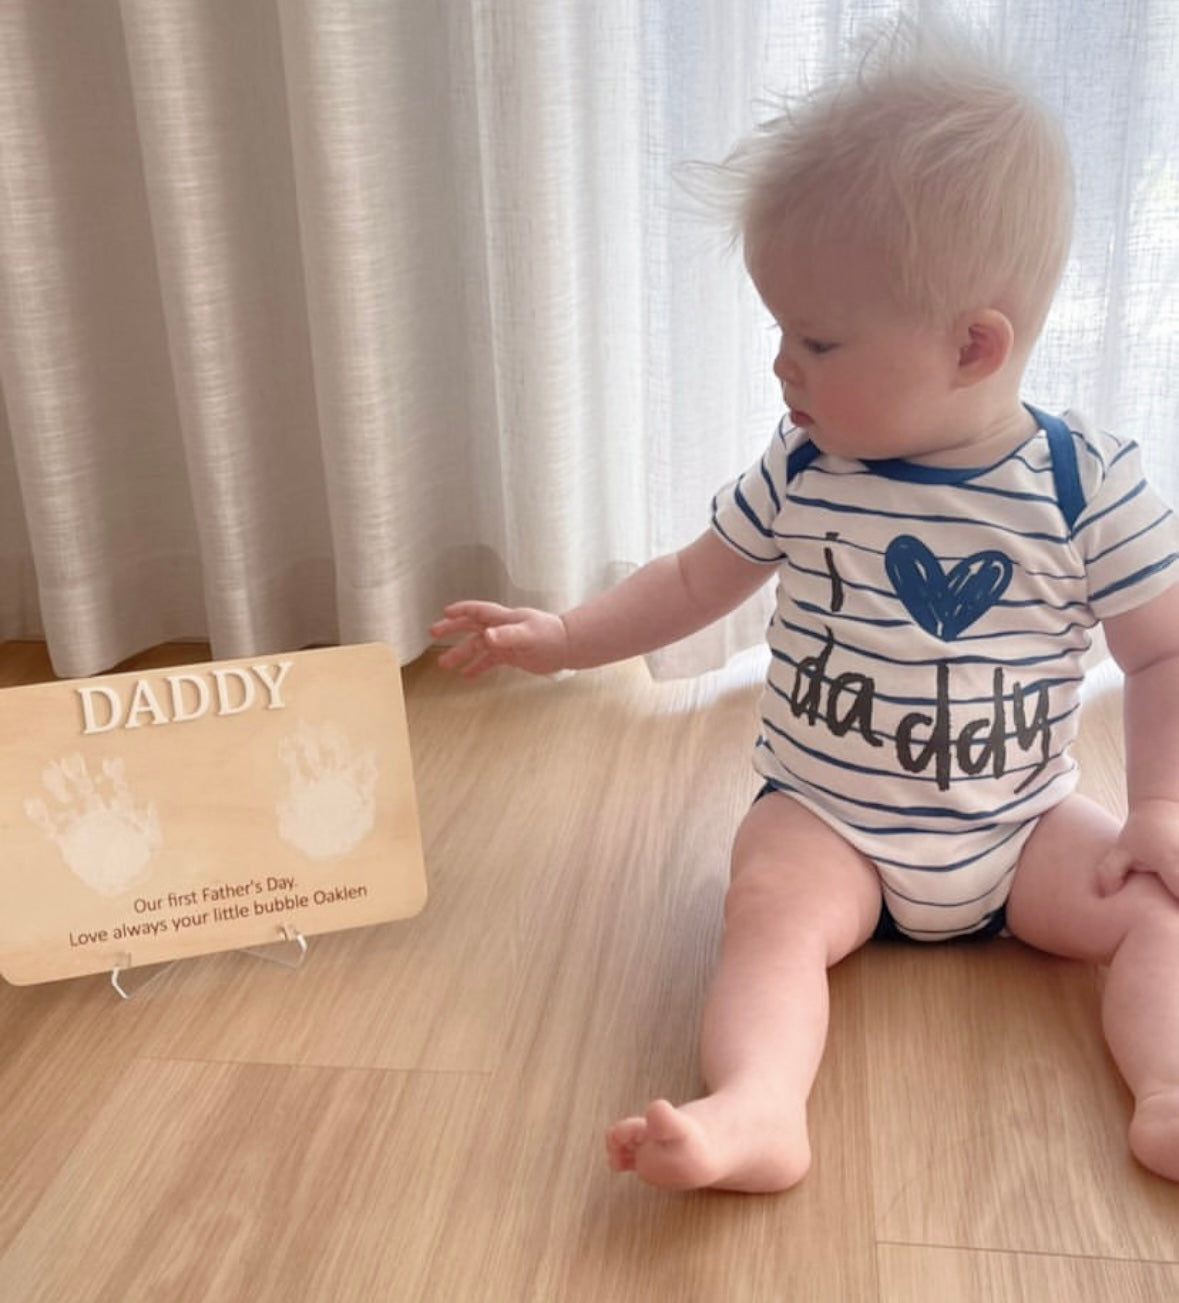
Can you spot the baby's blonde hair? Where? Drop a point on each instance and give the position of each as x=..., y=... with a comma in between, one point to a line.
x=932, y=155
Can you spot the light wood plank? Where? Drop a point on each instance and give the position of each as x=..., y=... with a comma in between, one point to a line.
x=927, y=1275
x=242, y=1182
x=417, y=1113
x=998, y=1120
x=610, y=1019
x=63, y=1050
x=618, y=1025
x=532, y=824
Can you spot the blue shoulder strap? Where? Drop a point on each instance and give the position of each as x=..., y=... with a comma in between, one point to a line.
x=1069, y=494
x=800, y=459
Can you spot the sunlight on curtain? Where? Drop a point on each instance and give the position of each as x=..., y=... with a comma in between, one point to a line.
x=315, y=314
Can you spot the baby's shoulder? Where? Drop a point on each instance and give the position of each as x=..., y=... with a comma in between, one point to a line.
x=1105, y=461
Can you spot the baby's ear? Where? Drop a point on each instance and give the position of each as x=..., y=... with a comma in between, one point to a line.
x=985, y=340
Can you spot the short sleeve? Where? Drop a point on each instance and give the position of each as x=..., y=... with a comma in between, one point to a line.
x=1127, y=535
x=744, y=511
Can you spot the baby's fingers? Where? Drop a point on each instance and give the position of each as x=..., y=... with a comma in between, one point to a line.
x=1113, y=871
x=444, y=628
x=478, y=615
x=463, y=655
x=471, y=618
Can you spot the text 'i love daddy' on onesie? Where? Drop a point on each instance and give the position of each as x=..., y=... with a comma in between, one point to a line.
x=924, y=683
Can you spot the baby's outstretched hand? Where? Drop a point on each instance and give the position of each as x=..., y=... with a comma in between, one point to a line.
x=1149, y=843
x=493, y=635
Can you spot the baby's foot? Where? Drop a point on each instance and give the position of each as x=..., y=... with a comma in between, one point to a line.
x=1154, y=1133
x=708, y=1143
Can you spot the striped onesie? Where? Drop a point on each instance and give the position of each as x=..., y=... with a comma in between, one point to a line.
x=924, y=683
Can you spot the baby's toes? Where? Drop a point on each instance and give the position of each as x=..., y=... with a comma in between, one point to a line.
x=622, y=1142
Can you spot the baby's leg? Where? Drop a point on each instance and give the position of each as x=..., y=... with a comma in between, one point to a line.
x=800, y=900
x=1055, y=906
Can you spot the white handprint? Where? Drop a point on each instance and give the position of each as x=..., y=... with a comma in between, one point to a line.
x=328, y=809
x=106, y=841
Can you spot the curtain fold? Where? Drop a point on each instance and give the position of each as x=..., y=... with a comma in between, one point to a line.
x=209, y=91
x=316, y=314
x=83, y=360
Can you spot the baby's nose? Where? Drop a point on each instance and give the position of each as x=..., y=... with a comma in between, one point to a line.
x=785, y=369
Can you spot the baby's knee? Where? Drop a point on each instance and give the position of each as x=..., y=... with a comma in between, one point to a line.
x=1154, y=1133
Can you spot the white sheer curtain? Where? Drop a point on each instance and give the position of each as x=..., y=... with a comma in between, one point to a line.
x=315, y=314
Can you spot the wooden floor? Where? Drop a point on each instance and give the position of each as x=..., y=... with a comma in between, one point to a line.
x=417, y=1112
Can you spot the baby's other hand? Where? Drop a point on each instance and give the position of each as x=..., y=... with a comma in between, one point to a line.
x=493, y=635
x=1149, y=843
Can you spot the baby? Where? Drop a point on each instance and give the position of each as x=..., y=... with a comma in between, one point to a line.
x=943, y=552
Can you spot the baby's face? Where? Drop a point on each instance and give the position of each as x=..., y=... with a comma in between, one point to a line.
x=862, y=378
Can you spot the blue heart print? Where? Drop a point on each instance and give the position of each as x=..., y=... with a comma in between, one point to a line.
x=945, y=605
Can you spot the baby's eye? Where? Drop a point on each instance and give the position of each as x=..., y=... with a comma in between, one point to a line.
x=818, y=346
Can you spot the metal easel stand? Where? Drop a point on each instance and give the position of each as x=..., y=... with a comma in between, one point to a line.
x=289, y=951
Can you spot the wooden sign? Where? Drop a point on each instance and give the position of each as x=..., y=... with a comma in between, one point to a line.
x=156, y=816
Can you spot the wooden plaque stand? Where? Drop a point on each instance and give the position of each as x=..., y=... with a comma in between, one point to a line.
x=221, y=806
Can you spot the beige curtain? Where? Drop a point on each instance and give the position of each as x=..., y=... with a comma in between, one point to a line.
x=310, y=317
x=228, y=298
x=315, y=314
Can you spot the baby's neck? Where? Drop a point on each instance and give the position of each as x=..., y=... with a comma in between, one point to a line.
x=988, y=441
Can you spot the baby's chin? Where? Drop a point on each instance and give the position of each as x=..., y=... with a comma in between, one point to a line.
x=850, y=448
x=853, y=448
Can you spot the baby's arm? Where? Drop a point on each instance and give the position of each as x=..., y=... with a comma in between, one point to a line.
x=666, y=600
x=1145, y=643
